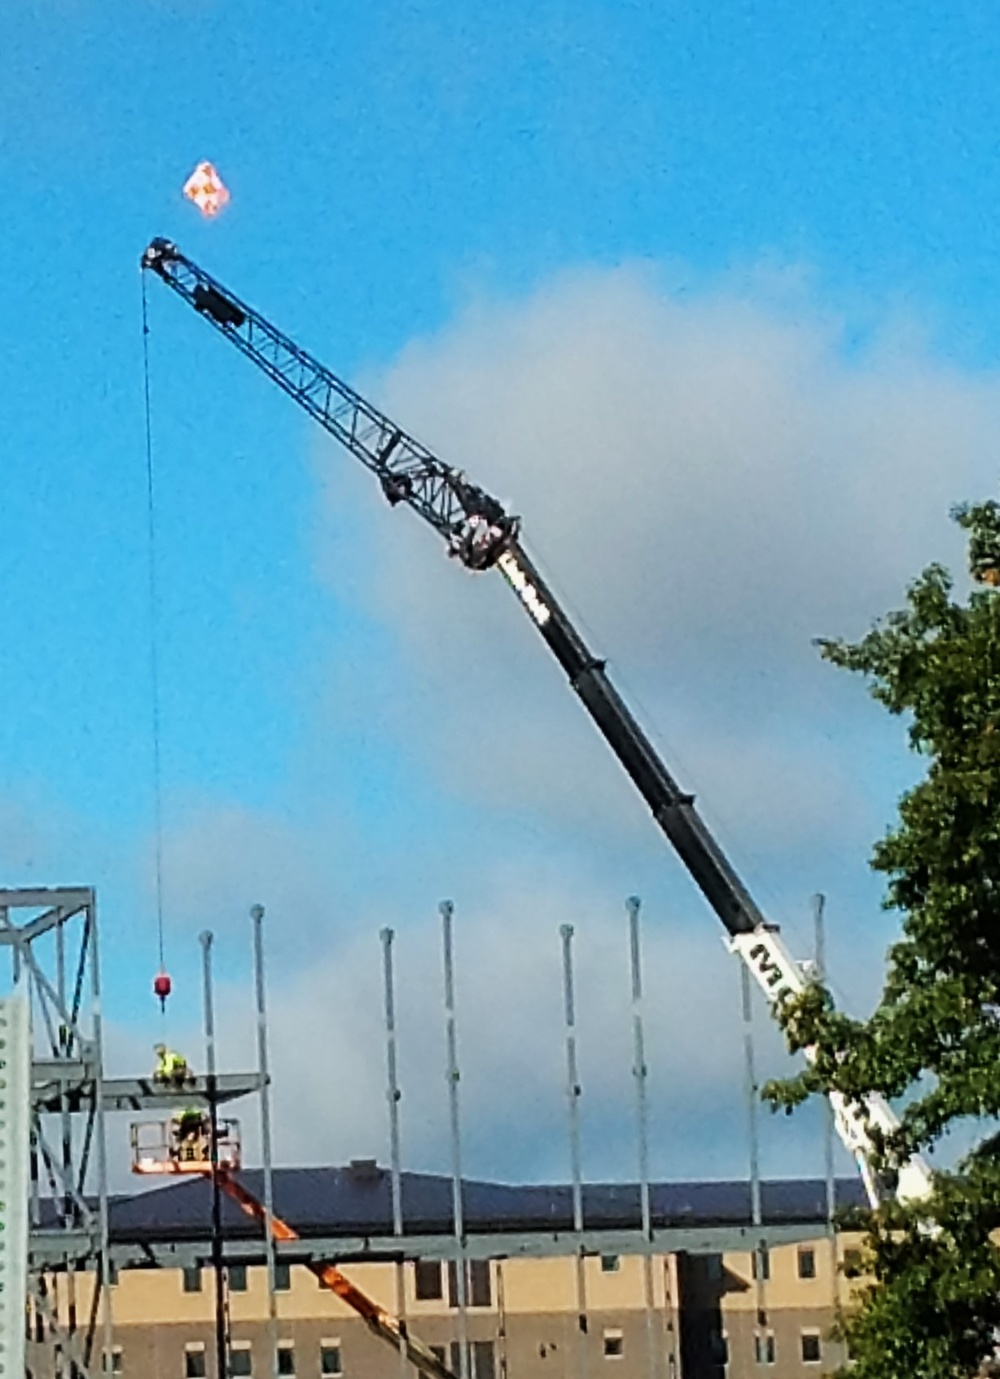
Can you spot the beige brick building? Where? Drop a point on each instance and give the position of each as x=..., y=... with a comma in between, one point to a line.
x=708, y=1315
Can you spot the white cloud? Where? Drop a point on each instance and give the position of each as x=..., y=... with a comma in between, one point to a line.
x=223, y=857
x=716, y=477
x=714, y=481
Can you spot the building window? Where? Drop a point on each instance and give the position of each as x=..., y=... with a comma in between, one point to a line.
x=330, y=1363
x=760, y=1263
x=282, y=1276
x=116, y=1365
x=614, y=1344
x=237, y=1275
x=478, y=1286
x=241, y=1361
x=483, y=1364
x=811, y=1349
x=480, y=1283
x=427, y=1279
x=286, y=1358
x=763, y=1348
x=194, y=1361
x=852, y=1263
x=807, y=1263
x=610, y=1264
x=192, y=1279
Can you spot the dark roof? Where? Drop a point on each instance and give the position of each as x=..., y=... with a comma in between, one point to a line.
x=351, y=1202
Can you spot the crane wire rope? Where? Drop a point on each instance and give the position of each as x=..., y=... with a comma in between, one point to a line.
x=154, y=628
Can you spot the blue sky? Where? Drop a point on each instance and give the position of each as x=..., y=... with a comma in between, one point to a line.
x=750, y=248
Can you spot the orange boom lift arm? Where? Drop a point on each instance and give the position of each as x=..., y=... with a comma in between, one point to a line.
x=159, y=1147
x=376, y=1318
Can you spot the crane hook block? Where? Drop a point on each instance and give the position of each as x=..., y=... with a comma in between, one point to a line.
x=162, y=988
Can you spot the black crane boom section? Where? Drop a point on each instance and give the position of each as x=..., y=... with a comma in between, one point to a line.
x=481, y=535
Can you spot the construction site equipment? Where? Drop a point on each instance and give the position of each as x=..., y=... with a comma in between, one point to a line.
x=169, y=1140
x=482, y=535
x=162, y=987
x=183, y=1144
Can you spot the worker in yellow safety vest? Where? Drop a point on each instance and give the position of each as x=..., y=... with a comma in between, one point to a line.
x=193, y=1132
x=171, y=1068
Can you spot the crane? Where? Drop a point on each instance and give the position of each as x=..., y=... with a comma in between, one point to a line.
x=481, y=535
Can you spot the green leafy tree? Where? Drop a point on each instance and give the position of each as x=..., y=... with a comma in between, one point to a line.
x=932, y=1307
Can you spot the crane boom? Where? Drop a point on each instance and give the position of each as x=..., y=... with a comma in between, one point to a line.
x=482, y=535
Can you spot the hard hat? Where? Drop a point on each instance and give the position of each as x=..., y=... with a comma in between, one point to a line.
x=159, y=1048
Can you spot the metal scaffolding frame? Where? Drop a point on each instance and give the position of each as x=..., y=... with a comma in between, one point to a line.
x=175, y=1250
x=52, y=936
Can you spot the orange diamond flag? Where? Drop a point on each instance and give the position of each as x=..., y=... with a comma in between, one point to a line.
x=207, y=190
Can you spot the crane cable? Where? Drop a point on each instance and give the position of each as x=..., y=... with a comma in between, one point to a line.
x=154, y=657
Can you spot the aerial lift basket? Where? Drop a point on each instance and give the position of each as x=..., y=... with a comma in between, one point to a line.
x=179, y=1146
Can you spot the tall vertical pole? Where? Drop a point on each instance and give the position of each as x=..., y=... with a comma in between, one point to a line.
x=70, y=1214
x=503, y=1366
x=640, y=1073
x=447, y=911
x=830, y=1190
x=760, y=1258
x=101, y=1146
x=573, y=1094
x=392, y=1097
x=212, y=1087
x=267, y=1162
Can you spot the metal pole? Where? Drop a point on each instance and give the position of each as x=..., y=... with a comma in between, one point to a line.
x=573, y=1094
x=263, y=1067
x=59, y=1353
x=70, y=1215
x=819, y=934
x=640, y=1073
x=393, y=1096
x=447, y=911
x=501, y=1322
x=218, y=1262
x=101, y=1148
x=760, y=1257
x=671, y=1306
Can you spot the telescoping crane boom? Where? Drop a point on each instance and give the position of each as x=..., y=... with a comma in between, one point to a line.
x=482, y=535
